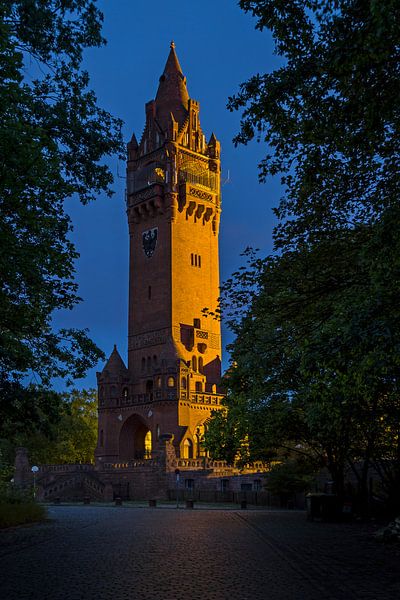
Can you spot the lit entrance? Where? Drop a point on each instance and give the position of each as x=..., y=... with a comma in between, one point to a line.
x=135, y=439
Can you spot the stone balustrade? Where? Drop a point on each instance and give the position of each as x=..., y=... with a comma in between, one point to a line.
x=72, y=468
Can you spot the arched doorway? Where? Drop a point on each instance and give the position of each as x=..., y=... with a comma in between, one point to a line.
x=134, y=439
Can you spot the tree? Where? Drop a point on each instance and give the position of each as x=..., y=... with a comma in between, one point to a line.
x=69, y=437
x=53, y=139
x=317, y=323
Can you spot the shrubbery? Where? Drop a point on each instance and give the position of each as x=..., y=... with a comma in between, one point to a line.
x=17, y=506
x=12, y=514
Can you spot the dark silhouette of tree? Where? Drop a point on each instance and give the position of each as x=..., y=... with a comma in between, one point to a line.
x=317, y=324
x=53, y=141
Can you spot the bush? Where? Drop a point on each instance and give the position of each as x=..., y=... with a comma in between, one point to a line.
x=290, y=477
x=19, y=513
x=17, y=506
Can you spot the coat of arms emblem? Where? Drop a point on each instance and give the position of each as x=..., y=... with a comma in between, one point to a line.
x=149, y=241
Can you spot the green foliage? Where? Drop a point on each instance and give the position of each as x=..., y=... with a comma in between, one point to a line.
x=329, y=115
x=316, y=356
x=73, y=438
x=17, y=506
x=53, y=141
x=68, y=436
x=12, y=514
x=290, y=477
x=224, y=435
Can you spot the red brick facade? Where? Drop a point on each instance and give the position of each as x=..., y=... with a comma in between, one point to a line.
x=171, y=383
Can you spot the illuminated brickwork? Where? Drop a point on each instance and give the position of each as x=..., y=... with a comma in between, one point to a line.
x=174, y=352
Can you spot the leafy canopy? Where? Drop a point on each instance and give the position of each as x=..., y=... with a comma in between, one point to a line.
x=316, y=355
x=53, y=141
x=67, y=434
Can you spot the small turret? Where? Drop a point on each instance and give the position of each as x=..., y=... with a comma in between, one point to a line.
x=214, y=147
x=115, y=366
x=132, y=148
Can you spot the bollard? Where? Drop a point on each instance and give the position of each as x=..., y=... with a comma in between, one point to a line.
x=243, y=504
x=152, y=503
x=118, y=501
x=86, y=500
x=189, y=503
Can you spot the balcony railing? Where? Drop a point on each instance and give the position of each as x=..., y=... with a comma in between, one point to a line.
x=205, y=179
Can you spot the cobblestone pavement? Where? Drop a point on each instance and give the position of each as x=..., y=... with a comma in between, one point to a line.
x=107, y=553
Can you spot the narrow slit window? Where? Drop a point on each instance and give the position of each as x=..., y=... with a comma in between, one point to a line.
x=149, y=292
x=199, y=261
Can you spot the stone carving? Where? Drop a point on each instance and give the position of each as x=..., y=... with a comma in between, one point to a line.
x=200, y=194
x=202, y=334
x=148, y=339
x=153, y=190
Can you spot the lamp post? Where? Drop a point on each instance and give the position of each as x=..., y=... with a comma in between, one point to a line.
x=177, y=487
x=34, y=470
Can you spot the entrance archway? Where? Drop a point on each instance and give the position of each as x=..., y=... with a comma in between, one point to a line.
x=134, y=439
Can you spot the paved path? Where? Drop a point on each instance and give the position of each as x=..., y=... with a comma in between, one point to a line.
x=117, y=553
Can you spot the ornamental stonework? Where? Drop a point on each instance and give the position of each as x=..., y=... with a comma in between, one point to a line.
x=153, y=338
x=200, y=194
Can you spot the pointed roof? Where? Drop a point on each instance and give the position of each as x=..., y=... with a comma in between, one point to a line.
x=115, y=365
x=172, y=95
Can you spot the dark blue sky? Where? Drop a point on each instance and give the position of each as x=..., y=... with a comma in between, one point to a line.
x=218, y=48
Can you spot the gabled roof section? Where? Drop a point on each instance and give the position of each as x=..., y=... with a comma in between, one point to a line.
x=115, y=365
x=172, y=95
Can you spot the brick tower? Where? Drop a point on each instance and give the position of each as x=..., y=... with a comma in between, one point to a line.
x=174, y=353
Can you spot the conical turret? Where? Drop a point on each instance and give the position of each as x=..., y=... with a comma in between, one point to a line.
x=172, y=95
x=115, y=366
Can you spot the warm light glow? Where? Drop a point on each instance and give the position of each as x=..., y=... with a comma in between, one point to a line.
x=147, y=443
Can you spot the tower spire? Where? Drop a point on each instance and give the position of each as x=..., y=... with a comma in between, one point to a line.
x=172, y=95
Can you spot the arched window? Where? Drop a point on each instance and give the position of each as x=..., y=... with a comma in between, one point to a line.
x=149, y=388
x=158, y=432
x=194, y=363
x=194, y=120
x=159, y=381
x=200, y=364
x=188, y=449
x=149, y=292
x=147, y=445
x=125, y=394
x=113, y=391
x=214, y=388
x=149, y=363
x=170, y=382
x=183, y=383
x=199, y=386
x=154, y=360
